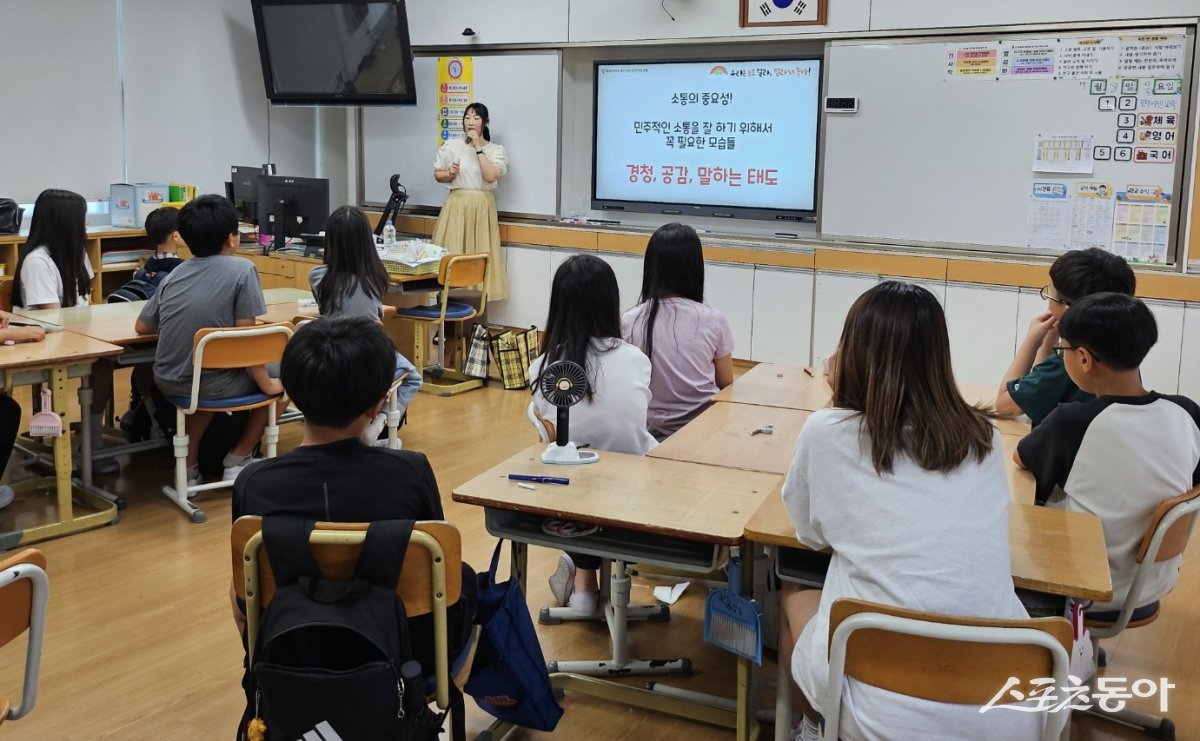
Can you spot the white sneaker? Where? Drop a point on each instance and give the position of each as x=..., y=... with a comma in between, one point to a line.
x=6, y=496
x=562, y=581
x=234, y=465
x=583, y=604
x=194, y=479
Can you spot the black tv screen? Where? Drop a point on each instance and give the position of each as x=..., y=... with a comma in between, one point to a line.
x=335, y=53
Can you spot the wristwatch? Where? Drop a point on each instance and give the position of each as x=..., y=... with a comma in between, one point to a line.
x=478, y=151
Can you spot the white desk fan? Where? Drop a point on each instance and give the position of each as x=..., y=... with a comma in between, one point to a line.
x=564, y=384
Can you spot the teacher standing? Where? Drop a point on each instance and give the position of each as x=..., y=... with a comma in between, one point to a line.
x=471, y=166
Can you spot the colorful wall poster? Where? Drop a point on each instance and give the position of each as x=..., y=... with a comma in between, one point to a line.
x=1063, y=153
x=1154, y=56
x=973, y=61
x=1087, y=59
x=1049, y=216
x=1141, y=223
x=455, y=83
x=1091, y=216
x=1028, y=59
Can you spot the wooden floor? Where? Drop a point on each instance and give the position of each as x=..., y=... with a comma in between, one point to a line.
x=140, y=643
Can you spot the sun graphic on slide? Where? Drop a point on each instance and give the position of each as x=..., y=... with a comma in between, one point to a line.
x=718, y=71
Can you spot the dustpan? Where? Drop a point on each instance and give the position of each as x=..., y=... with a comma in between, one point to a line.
x=731, y=621
x=46, y=423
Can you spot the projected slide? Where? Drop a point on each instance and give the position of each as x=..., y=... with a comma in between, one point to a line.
x=735, y=134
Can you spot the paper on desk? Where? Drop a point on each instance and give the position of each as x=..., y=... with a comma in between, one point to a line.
x=670, y=595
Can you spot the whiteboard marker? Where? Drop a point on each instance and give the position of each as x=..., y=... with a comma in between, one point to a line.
x=789, y=235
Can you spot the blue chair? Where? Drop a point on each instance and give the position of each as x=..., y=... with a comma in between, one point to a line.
x=455, y=272
x=224, y=349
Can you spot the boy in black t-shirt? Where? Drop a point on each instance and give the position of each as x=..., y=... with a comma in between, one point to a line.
x=1036, y=382
x=337, y=372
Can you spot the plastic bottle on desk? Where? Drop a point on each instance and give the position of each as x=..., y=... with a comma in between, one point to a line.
x=389, y=236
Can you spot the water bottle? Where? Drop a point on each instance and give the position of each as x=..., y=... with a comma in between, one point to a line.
x=389, y=236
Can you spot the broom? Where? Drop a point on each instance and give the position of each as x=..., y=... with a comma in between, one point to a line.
x=731, y=621
x=46, y=423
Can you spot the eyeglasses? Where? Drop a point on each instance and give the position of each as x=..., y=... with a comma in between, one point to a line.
x=1047, y=296
x=1059, y=349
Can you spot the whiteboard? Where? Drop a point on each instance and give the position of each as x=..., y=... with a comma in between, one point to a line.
x=931, y=159
x=521, y=92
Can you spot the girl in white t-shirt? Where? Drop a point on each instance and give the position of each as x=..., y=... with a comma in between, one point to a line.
x=690, y=345
x=905, y=482
x=53, y=271
x=584, y=327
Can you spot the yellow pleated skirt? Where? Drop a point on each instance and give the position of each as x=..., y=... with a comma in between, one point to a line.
x=467, y=224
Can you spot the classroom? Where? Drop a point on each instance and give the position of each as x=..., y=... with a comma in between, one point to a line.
x=801, y=369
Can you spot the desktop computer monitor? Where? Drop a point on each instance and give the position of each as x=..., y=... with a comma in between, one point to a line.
x=243, y=182
x=290, y=206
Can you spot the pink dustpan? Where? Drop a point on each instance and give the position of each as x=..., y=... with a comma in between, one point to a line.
x=46, y=423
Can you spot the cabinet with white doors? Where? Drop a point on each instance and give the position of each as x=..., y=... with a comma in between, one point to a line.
x=982, y=321
x=1189, y=361
x=730, y=290
x=1160, y=369
x=628, y=269
x=936, y=287
x=528, y=288
x=834, y=294
x=782, y=321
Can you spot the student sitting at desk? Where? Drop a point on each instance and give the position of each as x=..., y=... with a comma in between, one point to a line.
x=905, y=482
x=1036, y=382
x=10, y=410
x=1122, y=453
x=584, y=327
x=352, y=282
x=213, y=289
x=53, y=272
x=690, y=345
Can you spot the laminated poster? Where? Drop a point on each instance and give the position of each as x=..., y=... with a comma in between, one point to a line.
x=973, y=61
x=1091, y=216
x=1028, y=60
x=1068, y=153
x=1141, y=223
x=1049, y=216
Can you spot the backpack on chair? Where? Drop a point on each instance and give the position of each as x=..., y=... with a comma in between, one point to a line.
x=333, y=657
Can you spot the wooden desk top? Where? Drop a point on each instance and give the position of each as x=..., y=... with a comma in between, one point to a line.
x=59, y=348
x=685, y=500
x=794, y=387
x=288, y=311
x=1053, y=551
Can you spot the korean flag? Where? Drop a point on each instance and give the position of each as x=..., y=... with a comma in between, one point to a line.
x=786, y=10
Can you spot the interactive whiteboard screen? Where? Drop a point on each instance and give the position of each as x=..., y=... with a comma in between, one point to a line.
x=711, y=138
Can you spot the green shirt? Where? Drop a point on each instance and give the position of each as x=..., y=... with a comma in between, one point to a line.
x=1043, y=388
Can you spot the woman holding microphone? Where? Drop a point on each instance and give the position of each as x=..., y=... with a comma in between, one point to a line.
x=471, y=166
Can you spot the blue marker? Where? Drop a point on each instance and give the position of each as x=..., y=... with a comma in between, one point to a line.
x=539, y=479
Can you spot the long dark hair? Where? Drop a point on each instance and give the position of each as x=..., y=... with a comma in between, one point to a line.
x=893, y=368
x=352, y=261
x=481, y=111
x=60, y=225
x=585, y=305
x=673, y=267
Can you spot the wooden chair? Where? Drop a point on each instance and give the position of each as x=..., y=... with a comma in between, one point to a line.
x=455, y=272
x=430, y=580
x=6, y=293
x=225, y=349
x=545, y=428
x=942, y=658
x=24, y=588
x=1167, y=535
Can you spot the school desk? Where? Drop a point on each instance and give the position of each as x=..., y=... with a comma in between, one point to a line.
x=61, y=355
x=289, y=310
x=795, y=387
x=724, y=435
x=672, y=513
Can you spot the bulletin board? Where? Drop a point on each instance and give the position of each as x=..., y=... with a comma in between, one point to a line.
x=521, y=91
x=1023, y=142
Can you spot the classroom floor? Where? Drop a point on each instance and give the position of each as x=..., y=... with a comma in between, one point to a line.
x=140, y=643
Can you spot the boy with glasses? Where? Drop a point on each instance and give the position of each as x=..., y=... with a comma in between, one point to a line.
x=1036, y=382
x=1122, y=453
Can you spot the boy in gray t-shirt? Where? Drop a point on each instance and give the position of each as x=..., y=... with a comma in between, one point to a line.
x=213, y=289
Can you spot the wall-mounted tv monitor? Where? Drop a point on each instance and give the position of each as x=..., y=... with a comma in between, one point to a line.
x=335, y=53
x=714, y=138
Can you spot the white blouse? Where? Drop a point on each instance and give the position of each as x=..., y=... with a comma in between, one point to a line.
x=469, y=177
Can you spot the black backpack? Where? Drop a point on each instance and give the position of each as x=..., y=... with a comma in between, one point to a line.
x=144, y=283
x=333, y=657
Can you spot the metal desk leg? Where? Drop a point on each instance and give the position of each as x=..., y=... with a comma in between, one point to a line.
x=85, y=444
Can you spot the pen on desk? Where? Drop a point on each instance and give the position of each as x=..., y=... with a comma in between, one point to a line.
x=561, y=480
x=810, y=373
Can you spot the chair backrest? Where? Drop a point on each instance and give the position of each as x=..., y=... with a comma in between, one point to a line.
x=545, y=428
x=463, y=271
x=1176, y=531
x=24, y=589
x=943, y=658
x=430, y=580
x=240, y=347
x=6, y=293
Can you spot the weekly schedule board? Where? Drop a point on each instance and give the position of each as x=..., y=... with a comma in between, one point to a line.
x=719, y=138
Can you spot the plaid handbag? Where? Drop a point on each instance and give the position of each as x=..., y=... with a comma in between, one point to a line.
x=513, y=352
x=477, y=356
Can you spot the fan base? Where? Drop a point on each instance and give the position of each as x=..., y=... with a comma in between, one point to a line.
x=568, y=455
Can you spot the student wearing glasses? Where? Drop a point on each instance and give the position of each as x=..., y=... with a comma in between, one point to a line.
x=1037, y=382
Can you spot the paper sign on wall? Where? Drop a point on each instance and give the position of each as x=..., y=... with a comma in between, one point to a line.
x=1063, y=153
x=455, y=91
x=1087, y=59
x=1151, y=56
x=1091, y=216
x=1028, y=60
x=1049, y=216
x=1141, y=223
x=972, y=61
